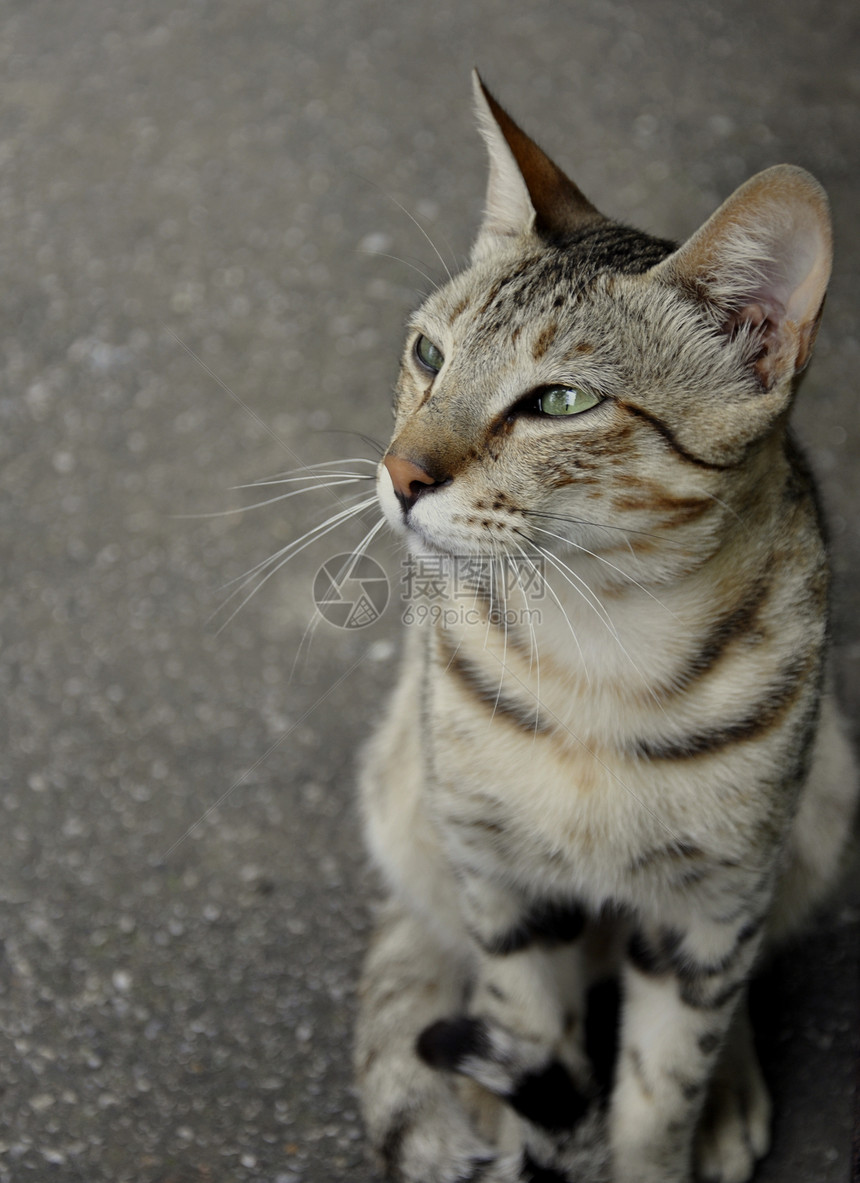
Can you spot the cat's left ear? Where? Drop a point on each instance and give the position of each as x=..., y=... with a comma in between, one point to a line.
x=526, y=191
x=762, y=264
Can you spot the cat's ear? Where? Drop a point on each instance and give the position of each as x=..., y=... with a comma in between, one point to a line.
x=762, y=263
x=525, y=191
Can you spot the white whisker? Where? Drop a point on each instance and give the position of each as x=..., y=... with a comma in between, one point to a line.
x=527, y=610
x=535, y=644
x=723, y=504
x=294, y=480
x=551, y=591
x=283, y=556
x=223, y=513
x=580, y=585
x=366, y=439
x=613, y=632
x=405, y=262
x=415, y=222
x=504, y=639
x=309, y=469
x=600, y=558
x=337, y=518
x=626, y=530
x=344, y=573
x=491, y=602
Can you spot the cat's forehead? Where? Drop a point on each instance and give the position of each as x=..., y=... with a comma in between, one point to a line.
x=522, y=285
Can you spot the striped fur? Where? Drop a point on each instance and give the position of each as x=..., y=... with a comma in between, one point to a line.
x=638, y=754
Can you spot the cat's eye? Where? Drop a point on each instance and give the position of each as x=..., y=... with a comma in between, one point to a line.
x=565, y=400
x=428, y=354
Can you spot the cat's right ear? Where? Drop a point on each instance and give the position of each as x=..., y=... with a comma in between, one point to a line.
x=526, y=191
x=761, y=265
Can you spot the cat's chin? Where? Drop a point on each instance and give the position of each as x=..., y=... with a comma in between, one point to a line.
x=420, y=545
x=423, y=544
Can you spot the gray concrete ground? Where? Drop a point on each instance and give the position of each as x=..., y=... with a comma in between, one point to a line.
x=205, y=268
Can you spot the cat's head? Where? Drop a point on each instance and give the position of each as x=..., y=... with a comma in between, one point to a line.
x=585, y=381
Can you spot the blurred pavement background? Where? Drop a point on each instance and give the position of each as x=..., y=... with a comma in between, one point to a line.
x=214, y=218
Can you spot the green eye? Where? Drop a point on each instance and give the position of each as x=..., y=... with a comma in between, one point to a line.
x=430, y=357
x=565, y=400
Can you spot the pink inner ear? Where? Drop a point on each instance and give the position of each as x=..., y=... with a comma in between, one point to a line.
x=754, y=313
x=763, y=259
x=759, y=315
x=766, y=319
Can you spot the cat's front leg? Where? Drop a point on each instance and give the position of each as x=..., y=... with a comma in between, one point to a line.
x=681, y=990
x=734, y=1131
x=417, y=1123
x=521, y=1036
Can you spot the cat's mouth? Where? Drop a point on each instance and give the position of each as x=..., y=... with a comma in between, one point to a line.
x=400, y=515
x=425, y=520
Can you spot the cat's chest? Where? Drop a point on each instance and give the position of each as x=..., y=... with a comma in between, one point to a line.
x=543, y=783
x=537, y=785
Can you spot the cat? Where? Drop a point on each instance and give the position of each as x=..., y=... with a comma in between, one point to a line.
x=614, y=744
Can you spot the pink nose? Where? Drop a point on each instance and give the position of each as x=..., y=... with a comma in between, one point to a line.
x=409, y=480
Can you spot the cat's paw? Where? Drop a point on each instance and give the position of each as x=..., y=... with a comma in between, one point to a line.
x=534, y=1083
x=734, y=1132
x=434, y=1142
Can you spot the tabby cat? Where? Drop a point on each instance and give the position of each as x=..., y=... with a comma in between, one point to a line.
x=613, y=744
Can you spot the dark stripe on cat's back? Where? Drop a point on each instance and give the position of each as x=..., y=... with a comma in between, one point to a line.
x=667, y=435
x=476, y=682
